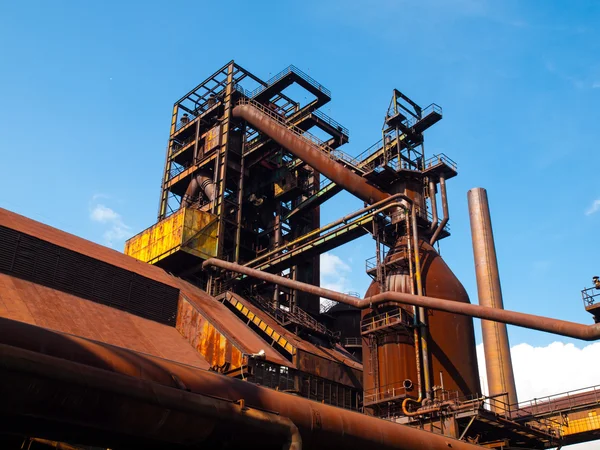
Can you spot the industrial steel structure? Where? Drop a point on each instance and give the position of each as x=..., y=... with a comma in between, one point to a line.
x=214, y=317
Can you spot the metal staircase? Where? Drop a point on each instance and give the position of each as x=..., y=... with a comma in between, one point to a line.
x=295, y=316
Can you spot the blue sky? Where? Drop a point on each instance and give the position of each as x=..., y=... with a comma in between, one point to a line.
x=87, y=90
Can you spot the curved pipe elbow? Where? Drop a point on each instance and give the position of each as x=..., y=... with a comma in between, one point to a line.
x=200, y=183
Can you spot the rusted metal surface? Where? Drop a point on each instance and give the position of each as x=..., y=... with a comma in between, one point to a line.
x=555, y=326
x=445, y=211
x=69, y=241
x=125, y=407
x=205, y=314
x=158, y=400
x=216, y=349
x=498, y=362
x=32, y=303
x=310, y=154
x=334, y=364
x=199, y=183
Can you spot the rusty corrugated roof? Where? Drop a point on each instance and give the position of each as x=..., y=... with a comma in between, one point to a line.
x=49, y=308
x=39, y=305
x=69, y=241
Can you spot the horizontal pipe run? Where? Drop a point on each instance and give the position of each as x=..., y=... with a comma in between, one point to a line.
x=331, y=225
x=547, y=324
x=25, y=362
x=149, y=398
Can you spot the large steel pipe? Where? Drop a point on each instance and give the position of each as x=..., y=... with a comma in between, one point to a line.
x=555, y=326
x=498, y=362
x=46, y=374
x=445, y=211
x=199, y=183
x=81, y=385
x=311, y=154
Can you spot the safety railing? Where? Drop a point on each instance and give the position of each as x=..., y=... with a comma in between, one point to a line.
x=297, y=315
x=325, y=118
x=558, y=403
x=433, y=108
x=183, y=122
x=178, y=145
x=499, y=405
x=284, y=73
x=176, y=169
x=352, y=342
x=397, y=316
x=590, y=296
x=385, y=393
x=440, y=159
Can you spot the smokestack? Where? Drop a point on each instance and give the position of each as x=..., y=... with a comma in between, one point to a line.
x=498, y=361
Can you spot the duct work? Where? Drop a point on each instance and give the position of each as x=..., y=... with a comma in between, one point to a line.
x=200, y=183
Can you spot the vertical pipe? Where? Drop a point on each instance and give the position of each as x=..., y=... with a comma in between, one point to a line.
x=495, y=337
x=278, y=239
x=416, y=334
x=433, y=200
x=445, y=210
x=422, y=311
x=240, y=199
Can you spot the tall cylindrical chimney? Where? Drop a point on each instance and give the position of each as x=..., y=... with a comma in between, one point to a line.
x=495, y=337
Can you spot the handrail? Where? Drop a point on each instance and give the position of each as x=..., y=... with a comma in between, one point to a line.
x=440, y=158
x=400, y=316
x=335, y=124
x=352, y=341
x=283, y=73
x=589, y=299
x=412, y=121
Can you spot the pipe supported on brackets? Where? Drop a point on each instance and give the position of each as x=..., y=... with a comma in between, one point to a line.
x=540, y=323
x=311, y=154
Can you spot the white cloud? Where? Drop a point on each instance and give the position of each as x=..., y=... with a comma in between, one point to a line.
x=103, y=214
x=335, y=275
x=595, y=207
x=333, y=265
x=550, y=370
x=117, y=230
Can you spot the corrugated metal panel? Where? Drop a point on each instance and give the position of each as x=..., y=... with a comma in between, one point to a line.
x=13, y=221
x=39, y=305
x=42, y=262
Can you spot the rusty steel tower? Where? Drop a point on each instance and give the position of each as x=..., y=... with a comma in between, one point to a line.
x=243, y=182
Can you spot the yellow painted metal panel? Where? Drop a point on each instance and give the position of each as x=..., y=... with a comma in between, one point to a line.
x=189, y=230
x=589, y=421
